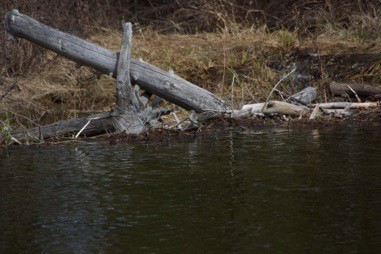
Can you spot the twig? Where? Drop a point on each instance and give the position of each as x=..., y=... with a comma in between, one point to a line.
x=314, y=112
x=280, y=81
x=177, y=121
x=251, y=94
x=182, y=121
x=232, y=94
x=83, y=128
x=87, y=124
x=354, y=92
x=280, y=94
x=15, y=140
x=8, y=88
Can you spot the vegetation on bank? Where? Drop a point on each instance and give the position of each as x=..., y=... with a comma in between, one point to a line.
x=235, y=49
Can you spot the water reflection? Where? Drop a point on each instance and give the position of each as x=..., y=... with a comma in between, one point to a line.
x=273, y=190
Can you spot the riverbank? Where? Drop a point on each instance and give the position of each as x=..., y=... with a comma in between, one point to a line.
x=241, y=68
x=220, y=126
x=241, y=65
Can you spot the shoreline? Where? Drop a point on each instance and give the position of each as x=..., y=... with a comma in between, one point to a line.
x=219, y=126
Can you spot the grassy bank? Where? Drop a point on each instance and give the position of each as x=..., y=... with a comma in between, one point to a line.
x=238, y=61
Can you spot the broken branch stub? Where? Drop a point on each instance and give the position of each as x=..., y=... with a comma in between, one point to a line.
x=125, y=97
x=150, y=78
x=126, y=116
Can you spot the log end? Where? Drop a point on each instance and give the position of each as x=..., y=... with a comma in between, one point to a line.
x=9, y=19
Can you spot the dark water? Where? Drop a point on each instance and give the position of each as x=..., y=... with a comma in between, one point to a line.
x=268, y=191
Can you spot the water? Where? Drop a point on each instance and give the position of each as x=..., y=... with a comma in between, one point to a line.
x=265, y=191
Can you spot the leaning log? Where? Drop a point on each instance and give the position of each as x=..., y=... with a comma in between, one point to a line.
x=150, y=78
x=362, y=90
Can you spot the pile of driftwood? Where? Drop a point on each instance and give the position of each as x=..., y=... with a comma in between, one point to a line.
x=301, y=104
x=137, y=81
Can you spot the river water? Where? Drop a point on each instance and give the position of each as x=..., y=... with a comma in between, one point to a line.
x=262, y=191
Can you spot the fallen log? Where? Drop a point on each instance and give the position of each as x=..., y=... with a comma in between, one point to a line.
x=96, y=125
x=150, y=78
x=339, y=112
x=362, y=90
x=276, y=107
x=347, y=105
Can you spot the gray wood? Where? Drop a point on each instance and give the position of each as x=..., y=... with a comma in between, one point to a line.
x=306, y=96
x=150, y=78
x=276, y=107
x=65, y=128
x=124, y=95
x=126, y=112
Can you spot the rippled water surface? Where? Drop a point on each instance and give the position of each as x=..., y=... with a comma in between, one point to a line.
x=268, y=191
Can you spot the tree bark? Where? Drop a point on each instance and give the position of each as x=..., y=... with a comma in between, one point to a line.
x=150, y=78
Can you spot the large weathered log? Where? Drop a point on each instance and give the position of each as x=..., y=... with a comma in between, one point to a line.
x=150, y=78
x=362, y=90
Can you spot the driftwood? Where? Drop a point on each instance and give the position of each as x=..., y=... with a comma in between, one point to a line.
x=150, y=78
x=339, y=112
x=347, y=105
x=361, y=90
x=96, y=125
x=276, y=107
